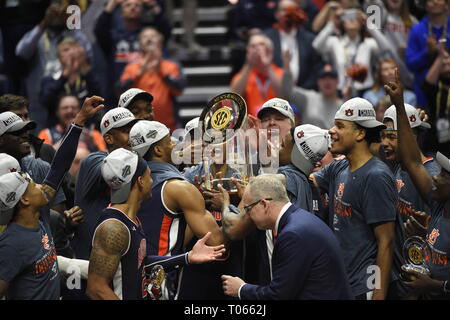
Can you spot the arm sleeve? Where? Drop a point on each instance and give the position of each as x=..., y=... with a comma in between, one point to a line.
x=63, y=158
x=295, y=95
x=379, y=198
x=321, y=43
x=28, y=44
x=290, y=269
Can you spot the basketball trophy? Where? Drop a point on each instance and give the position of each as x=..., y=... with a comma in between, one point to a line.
x=415, y=251
x=223, y=122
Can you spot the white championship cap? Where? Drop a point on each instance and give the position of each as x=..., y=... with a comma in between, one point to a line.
x=280, y=105
x=11, y=122
x=129, y=95
x=411, y=113
x=145, y=133
x=116, y=118
x=12, y=187
x=8, y=164
x=360, y=111
x=118, y=170
x=311, y=145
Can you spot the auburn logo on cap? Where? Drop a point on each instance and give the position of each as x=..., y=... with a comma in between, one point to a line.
x=106, y=123
x=349, y=112
x=412, y=118
x=300, y=134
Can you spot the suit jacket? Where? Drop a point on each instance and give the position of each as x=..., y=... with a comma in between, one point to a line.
x=307, y=262
x=310, y=60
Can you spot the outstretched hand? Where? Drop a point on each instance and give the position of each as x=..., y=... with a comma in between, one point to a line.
x=395, y=90
x=202, y=253
x=90, y=107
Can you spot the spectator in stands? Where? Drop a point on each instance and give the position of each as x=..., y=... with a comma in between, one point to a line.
x=437, y=90
x=289, y=34
x=311, y=10
x=329, y=10
x=117, y=34
x=316, y=108
x=396, y=23
x=423, y=43
x=16, y=19
x=39, y=46
x=68, y=106
x=259, y=79
x=386, y=74
x=344, y=43
x=245, y=18
x=160, y=77
x=77, y=77
x=19, y=105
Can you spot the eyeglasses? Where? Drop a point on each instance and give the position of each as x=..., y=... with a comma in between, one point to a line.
x=250, y=206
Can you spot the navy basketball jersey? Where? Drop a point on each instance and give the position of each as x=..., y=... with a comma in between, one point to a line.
x=163, y=228
x=129, y=280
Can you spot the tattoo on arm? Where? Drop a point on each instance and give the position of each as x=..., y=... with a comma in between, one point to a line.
x=110, y=242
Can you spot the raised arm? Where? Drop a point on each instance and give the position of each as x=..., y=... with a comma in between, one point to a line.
x=185, y=197
x=407, y=143
x=111, y=241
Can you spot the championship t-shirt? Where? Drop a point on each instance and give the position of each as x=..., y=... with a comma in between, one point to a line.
x=28, y=262
x=359, y=200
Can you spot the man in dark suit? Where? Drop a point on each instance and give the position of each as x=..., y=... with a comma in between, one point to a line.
x=307, y=262
x=289, y=34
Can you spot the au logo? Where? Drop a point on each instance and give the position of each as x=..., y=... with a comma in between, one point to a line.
x=412, y=118
x=349, y=112
x=126, y=171
x=300, y=134
x=221, y=118
x=106, y=123
x=415, y=255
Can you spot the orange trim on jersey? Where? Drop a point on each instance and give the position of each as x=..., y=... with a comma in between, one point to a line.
x=163, y=245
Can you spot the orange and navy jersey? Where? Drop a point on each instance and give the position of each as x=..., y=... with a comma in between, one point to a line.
x=129, y=277
x=163, y=228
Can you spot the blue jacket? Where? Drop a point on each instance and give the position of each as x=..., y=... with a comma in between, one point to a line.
x=417, y=59
x=307, y=262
